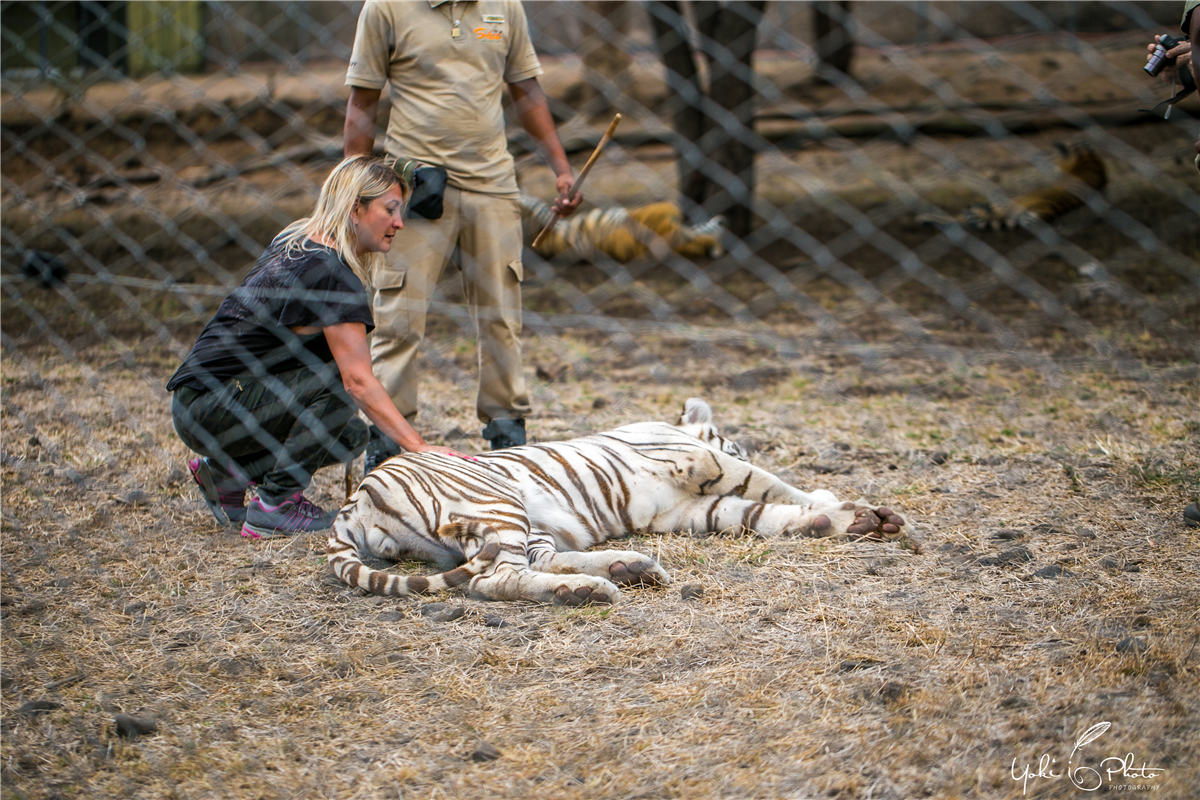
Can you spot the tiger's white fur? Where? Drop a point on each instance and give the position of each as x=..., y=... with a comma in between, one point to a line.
x=542, y=505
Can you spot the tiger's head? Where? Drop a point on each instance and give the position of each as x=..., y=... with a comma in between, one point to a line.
x=696, y=420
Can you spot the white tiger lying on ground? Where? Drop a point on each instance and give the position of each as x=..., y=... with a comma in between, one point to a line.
x=520, y=517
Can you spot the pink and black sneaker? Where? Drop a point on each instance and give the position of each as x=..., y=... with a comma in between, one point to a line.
x=297, y=514
x=227, y=505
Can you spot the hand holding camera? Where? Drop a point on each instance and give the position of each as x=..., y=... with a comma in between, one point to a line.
x=1168, y=57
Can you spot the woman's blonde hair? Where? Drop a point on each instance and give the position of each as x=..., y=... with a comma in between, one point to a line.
x=358, y=179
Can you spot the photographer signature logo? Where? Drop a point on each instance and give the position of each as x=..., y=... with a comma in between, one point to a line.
x=1086, y=778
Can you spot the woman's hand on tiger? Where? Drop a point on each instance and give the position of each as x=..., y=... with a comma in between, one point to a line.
x=445, y=451
x=562, y=206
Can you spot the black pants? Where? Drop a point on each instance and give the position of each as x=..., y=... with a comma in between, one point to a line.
x=276, y=432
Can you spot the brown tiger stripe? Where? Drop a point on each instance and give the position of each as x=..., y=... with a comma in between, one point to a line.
x=711, y=517
x=377, y=582
x=712, y=481
x=381, y=504
x=457, y=577
x=751, y=516
x=599, y=506
x=594, y=511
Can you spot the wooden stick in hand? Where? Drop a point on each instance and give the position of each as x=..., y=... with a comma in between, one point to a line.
x=575, y=186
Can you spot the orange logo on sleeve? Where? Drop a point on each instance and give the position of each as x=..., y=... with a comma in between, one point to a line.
x=492, y=35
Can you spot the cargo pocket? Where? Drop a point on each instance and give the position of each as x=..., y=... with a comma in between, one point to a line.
x=390, y=309
x=249, y=395
x=518, y=269
x=388, y=277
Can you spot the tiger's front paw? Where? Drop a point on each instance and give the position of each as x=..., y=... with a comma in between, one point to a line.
x=636, y=570
x=848, y=519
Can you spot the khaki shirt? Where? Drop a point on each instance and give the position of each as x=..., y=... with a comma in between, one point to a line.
x=446, y=92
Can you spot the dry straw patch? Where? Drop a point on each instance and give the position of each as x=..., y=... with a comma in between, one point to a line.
x=806, y=668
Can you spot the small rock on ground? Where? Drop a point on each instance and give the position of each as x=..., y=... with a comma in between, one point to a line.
x=440, y=612
x=1006, y=534
x=1016, y=555
x=1132, y=644
x=485, y=752
x=35, y=707
x=892, y=692
x=132, y=727
x=1054, y=572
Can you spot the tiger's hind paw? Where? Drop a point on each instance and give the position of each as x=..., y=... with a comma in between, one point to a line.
x=585, y=595
x=879, y=523
x=638, y=572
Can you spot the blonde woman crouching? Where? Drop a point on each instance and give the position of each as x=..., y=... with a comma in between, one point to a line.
x=270, y=391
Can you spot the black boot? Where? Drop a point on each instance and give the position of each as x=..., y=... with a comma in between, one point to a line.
x=505, y=433
x=379, y=449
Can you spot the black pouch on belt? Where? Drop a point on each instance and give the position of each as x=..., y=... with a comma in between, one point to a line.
x=426, y=185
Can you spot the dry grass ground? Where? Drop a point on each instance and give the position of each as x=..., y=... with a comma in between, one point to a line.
x=806, y=668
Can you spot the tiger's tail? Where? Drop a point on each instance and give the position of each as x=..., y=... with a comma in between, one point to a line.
x=346, y=562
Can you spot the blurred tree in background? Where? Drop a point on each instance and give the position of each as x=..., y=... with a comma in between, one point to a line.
x=713, y=123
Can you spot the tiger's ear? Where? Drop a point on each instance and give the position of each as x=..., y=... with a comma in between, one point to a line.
x=695, y=412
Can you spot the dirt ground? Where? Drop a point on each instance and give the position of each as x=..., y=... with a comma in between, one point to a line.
x=806, y=667
x=1041, y=452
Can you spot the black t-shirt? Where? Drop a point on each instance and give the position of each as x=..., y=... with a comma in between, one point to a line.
x=249, y=335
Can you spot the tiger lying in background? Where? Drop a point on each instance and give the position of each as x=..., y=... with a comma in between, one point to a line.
x=622, y=233
x=520, y=517
x=1085, y=174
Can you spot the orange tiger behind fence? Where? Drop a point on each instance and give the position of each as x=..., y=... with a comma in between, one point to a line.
x=621, y=233
x=1084, y=174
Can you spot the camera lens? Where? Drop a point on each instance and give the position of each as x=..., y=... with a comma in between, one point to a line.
x=1157, y=61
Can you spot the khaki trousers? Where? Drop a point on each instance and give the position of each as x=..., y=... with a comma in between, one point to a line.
x=486, y=230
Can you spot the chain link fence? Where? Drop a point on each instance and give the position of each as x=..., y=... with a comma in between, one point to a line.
x=151, y=150
x=821, y=162
x=154, y=149
x=850, y=268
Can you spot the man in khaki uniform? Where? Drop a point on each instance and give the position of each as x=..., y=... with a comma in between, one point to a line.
x=445, y=63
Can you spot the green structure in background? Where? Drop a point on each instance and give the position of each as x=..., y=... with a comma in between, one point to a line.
x=134, y=38
x=165, y=36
